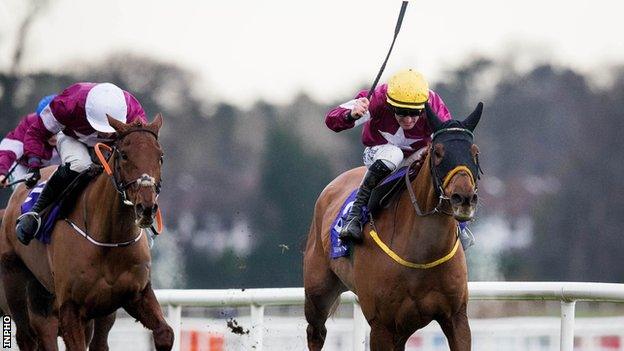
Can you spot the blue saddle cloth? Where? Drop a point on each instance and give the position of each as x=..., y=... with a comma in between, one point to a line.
x=48, y=218
x=338, y=248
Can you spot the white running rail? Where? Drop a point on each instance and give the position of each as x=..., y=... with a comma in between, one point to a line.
x=565, y=292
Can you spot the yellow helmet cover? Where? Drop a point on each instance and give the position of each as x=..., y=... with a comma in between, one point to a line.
x=407, y=89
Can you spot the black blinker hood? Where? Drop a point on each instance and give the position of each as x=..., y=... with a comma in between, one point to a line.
x=457, y=142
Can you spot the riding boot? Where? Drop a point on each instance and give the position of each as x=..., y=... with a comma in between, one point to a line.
x=353, y=229
x=29, y=223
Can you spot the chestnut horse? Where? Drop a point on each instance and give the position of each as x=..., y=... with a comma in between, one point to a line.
x=87, y=279
x=44, y=323
x=399, y=296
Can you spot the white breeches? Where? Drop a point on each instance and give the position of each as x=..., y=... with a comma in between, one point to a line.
x=389, y=154
x=73, y=152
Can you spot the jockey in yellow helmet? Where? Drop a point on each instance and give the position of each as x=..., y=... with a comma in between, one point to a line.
x=395, y=127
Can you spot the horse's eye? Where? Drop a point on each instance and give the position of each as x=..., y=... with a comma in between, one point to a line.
x=124, y=156
x=438, y=152
x=162, y=158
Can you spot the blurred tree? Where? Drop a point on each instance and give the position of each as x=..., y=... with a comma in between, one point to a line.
x=291, y=180
x=577, y=234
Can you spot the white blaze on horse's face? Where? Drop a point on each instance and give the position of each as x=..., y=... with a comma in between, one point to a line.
x=141, y=169
x=147, y=181
x=145, y=215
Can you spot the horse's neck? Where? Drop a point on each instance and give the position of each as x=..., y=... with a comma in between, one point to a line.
x=109, y=219
x=423, y=187
x=433, y=232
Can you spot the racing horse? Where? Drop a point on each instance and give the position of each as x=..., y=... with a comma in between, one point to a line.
x=44, y=324
x=410, y=268
x=98, y=260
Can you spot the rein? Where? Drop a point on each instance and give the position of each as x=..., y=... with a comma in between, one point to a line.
x=8, y=185
x=414, y=201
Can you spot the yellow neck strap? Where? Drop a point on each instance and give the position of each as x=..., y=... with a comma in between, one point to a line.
x=405, y=263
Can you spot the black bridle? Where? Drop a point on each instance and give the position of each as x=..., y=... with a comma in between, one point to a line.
x=122, y=186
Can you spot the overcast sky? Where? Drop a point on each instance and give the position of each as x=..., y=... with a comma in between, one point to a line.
x=250, y=49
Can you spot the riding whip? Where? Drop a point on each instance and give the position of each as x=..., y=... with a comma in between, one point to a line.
x=397, y=28
x=396, y=33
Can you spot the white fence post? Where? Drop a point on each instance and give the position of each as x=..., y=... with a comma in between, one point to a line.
x=174, y=314
x=567, y=325
x=257, y=327
x=359, y=328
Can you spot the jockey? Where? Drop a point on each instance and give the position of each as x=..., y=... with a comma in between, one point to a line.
x=12, y=165
x=80, y=113
x=396, y=127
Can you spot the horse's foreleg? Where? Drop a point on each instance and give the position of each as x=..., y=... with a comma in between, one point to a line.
x=318, y=306
x=43, y=317
x=101, y=328
x=146, y=309
x=88, y=331
x=16, y=277
x=72, y=326
x=457, y=330
x=383, y=339
x=322, y=289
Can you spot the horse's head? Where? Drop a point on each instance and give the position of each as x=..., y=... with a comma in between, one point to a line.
x=137, y=160
x=455, y=162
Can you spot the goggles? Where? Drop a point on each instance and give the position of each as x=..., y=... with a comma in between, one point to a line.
x=407, y=112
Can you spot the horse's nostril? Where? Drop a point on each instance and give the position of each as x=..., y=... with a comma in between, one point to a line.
x=474, y=199
x=456, y=199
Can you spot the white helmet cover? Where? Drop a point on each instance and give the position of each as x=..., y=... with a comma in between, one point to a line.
x=105, y=99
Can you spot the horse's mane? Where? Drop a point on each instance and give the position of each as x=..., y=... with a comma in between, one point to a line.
x=134, y=126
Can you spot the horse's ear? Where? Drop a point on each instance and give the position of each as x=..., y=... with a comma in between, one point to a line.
x=471, y=121
x=434, y=121
x=156, y=124
x=117, y=125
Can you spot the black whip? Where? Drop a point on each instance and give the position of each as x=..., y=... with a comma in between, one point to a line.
x=396, y=33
